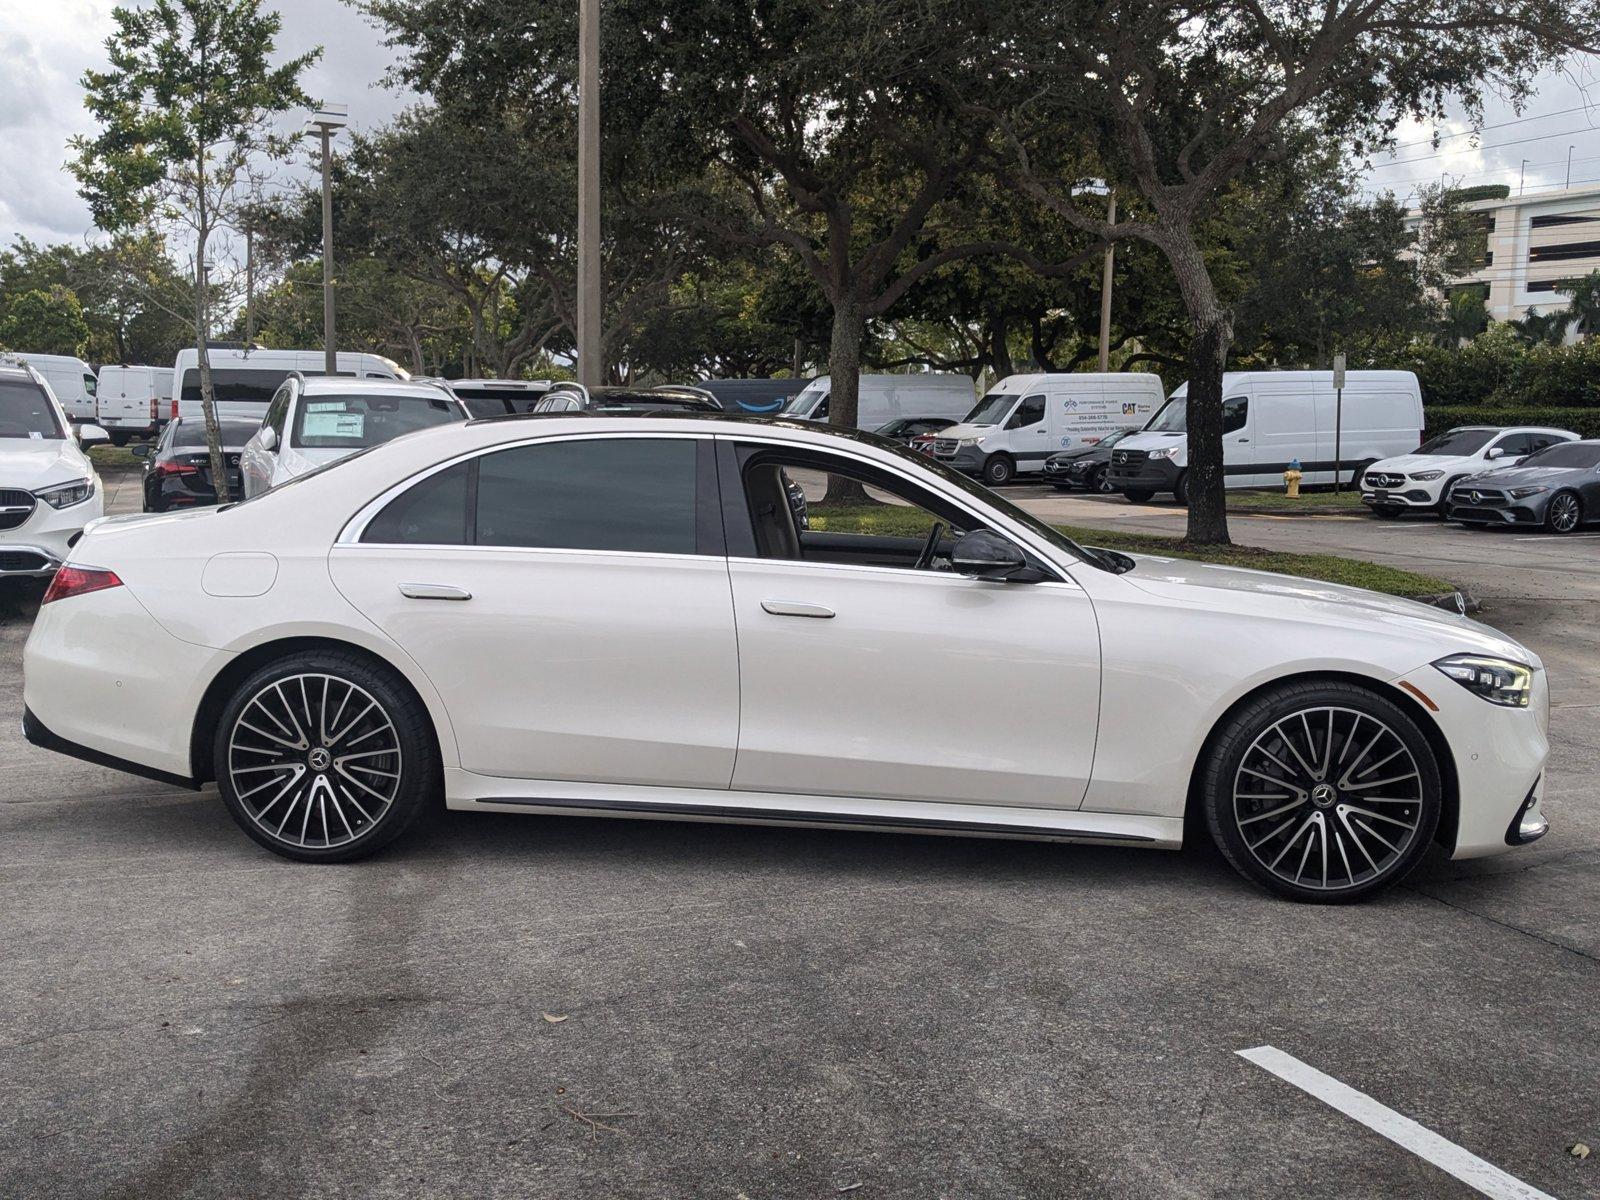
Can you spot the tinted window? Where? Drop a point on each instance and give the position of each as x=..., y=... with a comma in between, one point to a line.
x=1029, y=412
x=591, y=494
x=26, y=412
x=241, y=386
x=1568, y=454
x=1515, y=445
x=352, y=422
x=433, y=513
x=1457, y=442
x=193, y=433
x=1235, y=412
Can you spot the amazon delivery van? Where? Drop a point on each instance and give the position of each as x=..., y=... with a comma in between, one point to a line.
x=1024, y=419
x=1273, y=418
x=244, y=380
x=883, y=398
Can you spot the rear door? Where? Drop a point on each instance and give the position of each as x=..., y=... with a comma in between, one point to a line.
x=568, y=597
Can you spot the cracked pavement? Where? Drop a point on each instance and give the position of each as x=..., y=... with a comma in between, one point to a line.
x=787, y=1012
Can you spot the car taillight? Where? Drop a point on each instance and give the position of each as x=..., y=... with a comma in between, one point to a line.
x=174, y=408
x=79, y=581
x=175, y=468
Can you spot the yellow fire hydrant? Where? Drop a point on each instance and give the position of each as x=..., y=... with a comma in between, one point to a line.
x=1291, y=479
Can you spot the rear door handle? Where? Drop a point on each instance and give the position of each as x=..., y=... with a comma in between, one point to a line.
x=434, y=591
x=796, y=608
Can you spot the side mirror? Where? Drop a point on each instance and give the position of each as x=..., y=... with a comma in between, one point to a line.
x=142, y=450
x=1494, y=452
x=92, y=435
x=268, y=438
x=984, y=554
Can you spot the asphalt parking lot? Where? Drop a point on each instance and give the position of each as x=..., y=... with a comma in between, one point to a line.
x=519, y=1007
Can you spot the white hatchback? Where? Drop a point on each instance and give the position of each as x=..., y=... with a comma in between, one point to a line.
x=1421, y=481
x=316, y=420
x=623, y=616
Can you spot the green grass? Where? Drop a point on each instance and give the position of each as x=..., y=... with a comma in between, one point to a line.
x=900, y=521
x=1348, y=500
x=113, y=457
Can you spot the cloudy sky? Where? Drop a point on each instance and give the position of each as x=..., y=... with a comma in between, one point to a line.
x=45, y=46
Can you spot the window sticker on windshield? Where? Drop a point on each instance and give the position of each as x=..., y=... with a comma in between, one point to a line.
x=36, y=435
x=325, y=405
x=334, y=424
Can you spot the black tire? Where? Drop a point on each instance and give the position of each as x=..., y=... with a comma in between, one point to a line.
x=1180, y=489
x=289, y=689
x=120, y=437
x=1338, y=716
x=1137, y=496
x=1062, y=487
x=998, y=469
x=1099, y=483
x=1443, y=507
x=1386, y=512
x=1564, y=513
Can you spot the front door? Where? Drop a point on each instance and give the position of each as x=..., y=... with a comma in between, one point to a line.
x=869, y=669
x=570, y=605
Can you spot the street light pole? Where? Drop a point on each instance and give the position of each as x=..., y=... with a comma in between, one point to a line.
x=1105, y=292
x=591, y=364
x=324, y=121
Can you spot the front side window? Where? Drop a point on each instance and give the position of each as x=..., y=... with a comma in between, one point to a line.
x=89, y=384
x=26, y=412
x=356, y=422
x=1235, y=412
x=1029, y=412
x=1515, y=445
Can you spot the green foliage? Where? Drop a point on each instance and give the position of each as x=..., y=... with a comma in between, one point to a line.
x=1499, y=370
x=44, y=322
x=1584, y=421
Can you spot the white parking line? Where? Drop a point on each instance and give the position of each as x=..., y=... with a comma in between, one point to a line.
x=1481, y=1176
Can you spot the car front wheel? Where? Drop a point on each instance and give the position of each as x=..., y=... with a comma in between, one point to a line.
x=1564, y=514
x=998, y=469
x=1323, y=792
x=325, y=757
x=1137, y=496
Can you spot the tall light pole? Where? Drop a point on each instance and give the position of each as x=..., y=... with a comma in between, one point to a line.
x=1105, y=291
x=591, y=360
x=323, y=122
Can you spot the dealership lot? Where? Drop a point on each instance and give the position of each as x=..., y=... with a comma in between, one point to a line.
x=559, y=1006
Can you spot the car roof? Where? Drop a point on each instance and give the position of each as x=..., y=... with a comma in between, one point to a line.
x=344, y=385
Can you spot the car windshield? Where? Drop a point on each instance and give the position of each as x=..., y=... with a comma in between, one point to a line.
x=1111, y=439
x=356, y=422
x=26, y=412
x=1582, y=455
x=1173, y=417
x=1457, y=442
x=192, y=434
x=991, y=410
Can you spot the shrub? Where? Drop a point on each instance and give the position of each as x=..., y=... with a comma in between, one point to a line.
x=1582, y=421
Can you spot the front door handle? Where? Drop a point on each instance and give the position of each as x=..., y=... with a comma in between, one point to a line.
x=796, y=608
x=434, y=591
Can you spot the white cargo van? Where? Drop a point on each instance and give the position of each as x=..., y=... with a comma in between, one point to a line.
x=1024, y=419
x=71, y=379
x=1270, y=419
x=883, y=398
x=133, y=401
x=244, y=380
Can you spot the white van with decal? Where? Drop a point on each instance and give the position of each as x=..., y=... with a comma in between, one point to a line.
x=1273, y=418
x=1024, y=419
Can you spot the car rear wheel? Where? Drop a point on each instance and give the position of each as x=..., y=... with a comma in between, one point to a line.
x=120, y=437
x=1180, y=489
x=998, y=469
x=325, y=757
x=1564, y=514
x=1322, y=792
x=1137, y=496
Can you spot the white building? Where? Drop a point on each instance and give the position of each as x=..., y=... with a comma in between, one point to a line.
x=1535, y=241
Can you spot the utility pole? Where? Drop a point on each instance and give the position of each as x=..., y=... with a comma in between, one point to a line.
x=1105, y=291
x=250, y=282
x=1569, y=166
x=324, y=121
x=591, y=364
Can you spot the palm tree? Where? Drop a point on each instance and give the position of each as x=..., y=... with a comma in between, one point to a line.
x=1585, y=306
x=1543, y=329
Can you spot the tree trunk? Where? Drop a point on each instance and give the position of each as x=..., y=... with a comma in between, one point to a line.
x=999, y=348
x=844, y=387
x=1211, y=335
x=202, y=334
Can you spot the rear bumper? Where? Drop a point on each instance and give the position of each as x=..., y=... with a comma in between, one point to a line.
x=34, y=730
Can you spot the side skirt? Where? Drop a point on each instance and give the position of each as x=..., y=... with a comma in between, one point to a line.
x=466, y=791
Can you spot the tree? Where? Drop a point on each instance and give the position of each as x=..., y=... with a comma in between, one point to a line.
x=1585, y=296
x=184, y=113
x=44, y=322
x=1182, y=99
x=1543, y=329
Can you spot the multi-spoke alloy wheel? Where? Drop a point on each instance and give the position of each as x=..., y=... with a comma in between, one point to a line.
x=323, y=759
x=1323, y=792
x=1565, y=512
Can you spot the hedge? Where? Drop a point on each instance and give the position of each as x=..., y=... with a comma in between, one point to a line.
x=1495, y=369
x=1583, y=421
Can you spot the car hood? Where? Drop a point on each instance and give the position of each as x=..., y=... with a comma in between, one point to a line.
x=1150, y=441
x=1266, y=595
x=32, y=464
x=1510, y=477
x=1078, y=452
x=964, y=430
x=1405, y=464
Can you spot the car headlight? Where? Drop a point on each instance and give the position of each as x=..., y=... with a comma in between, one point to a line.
x=1523, y=493
x=1169, y=452
x=1427, y=476
x=1497, y=680
x=969, y=443
x=65, y=495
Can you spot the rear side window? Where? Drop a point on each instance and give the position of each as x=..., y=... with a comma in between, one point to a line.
x=592, y=494
x=633, y=494
x=1515, y=445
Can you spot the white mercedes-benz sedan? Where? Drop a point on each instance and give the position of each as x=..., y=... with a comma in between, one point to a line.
x=625, y=617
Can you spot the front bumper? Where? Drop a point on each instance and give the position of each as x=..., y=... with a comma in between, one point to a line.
x=1515, y=513
x=1074, y=471
x=1400, y=491
x=967, y=459
x=1148, y=475
x=41, y=542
